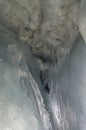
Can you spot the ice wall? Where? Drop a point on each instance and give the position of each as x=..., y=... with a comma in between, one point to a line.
x=82, y=18
x=16, y=107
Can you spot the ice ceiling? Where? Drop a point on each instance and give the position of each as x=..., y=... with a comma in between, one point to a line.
x=20, y=13
x=47, y=26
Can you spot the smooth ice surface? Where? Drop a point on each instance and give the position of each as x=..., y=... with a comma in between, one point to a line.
x=82, y=18
x=16, y=108
x=73, y=78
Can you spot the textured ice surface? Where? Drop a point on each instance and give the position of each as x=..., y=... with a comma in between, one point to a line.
x=16, y=108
